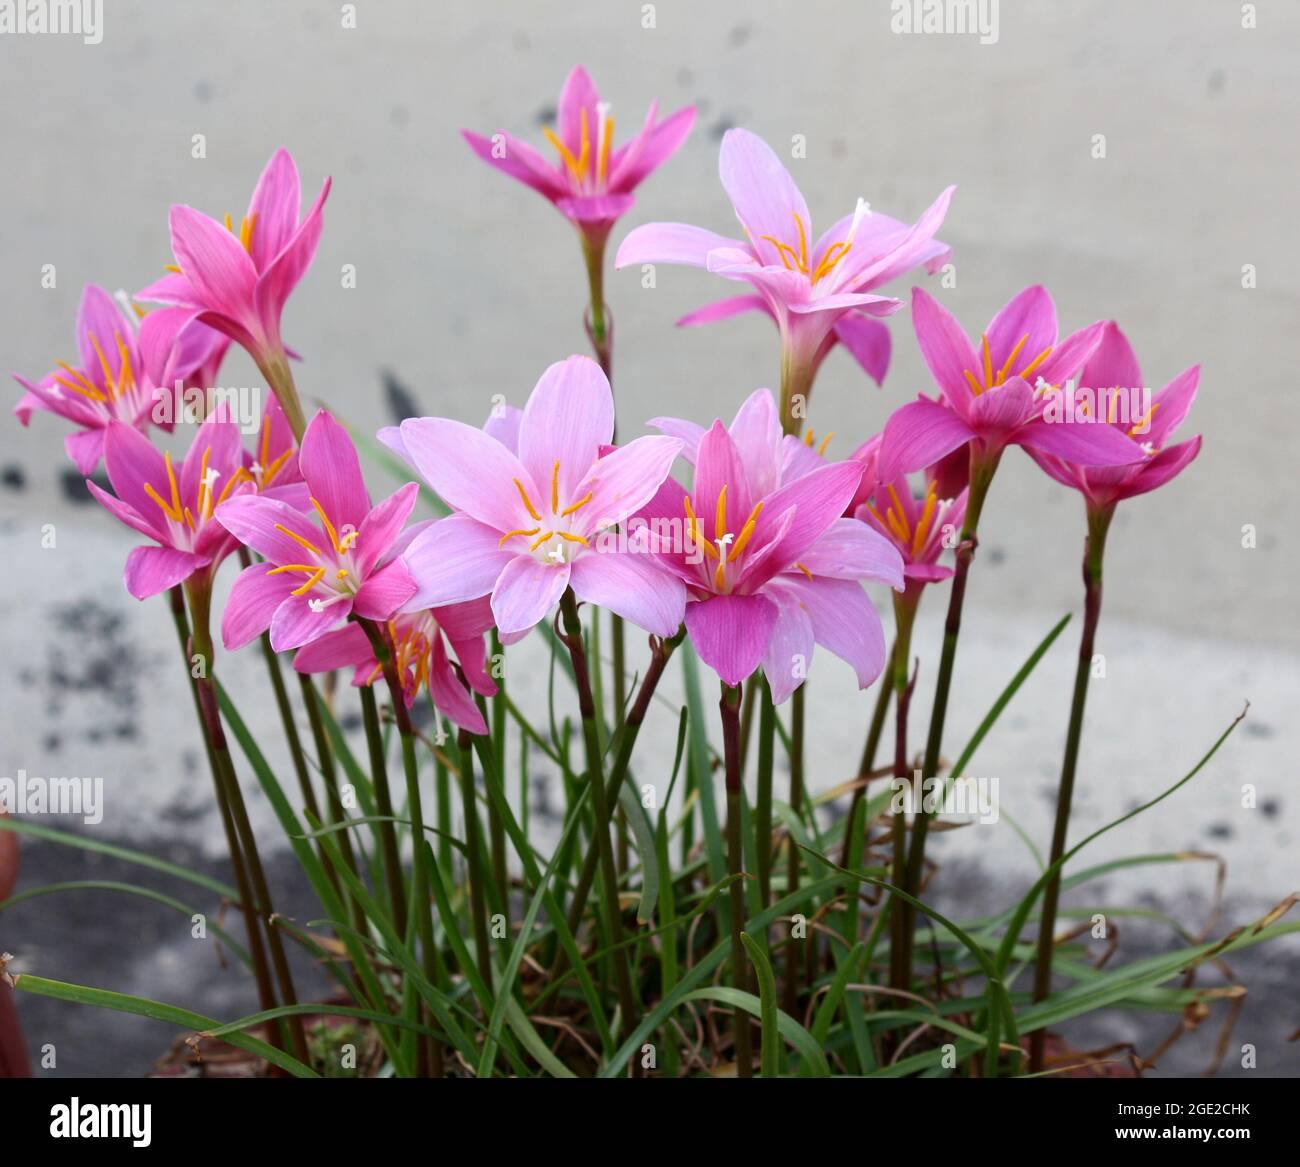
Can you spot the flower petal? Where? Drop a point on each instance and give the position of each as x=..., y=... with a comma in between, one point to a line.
x=625, y=480
x=150, y=570
x=273, y=209
x=868, y=341
x=219, y=269
x=1113, y=363
x=278, y=281
x=844, y=621
x=789, y=650
x=918, y=435
x=384, y=591
x=471, y=471
x=630, y=585
x=449, y=695
x=345, y=648
x=255, y=520
x=946, y=348
x=1089, y=443
x=380, y=528
x=851, y=550
x=329, y=463
x=765, y=197
x=731, y=633
x=1028, y=313
x=671, y=243
x=296, y=623
x=525, y=592
x=453, y=560
x=568, y=418
x=252, y=603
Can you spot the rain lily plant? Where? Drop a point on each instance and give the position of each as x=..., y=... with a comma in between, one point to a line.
x=590, y=181
x=122, y=364
x=560, y=909
x=238, y=280
x=811, y=286
x=1113, y=374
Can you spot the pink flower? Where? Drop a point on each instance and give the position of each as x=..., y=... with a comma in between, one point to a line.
x=1113, y=374
x=921, y=528
x=999, y=395
x=591, y=182
x=121, y=365
x=315, y=576
x=239, y=281
x=534, y=519
x=174, y=509
x=818, y=290
x=273, y=464
x=419, y=643
x=771, y=566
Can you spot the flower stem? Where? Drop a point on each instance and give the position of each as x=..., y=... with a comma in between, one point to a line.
x=256, y=946
x=1094, y=550
x=421, y=901
x=384, y=805
x=600, y=803
x=868, y=760
x=904, y=618
x=598, y=322
x=983, y=467
x=730, y=706
x=796, y=388
x=198, y=591
x=474, y=856
x=763, y=799
x=660, y=652
x=279, y=376
x=791, y=998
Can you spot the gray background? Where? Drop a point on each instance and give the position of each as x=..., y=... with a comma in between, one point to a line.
x=468, y=285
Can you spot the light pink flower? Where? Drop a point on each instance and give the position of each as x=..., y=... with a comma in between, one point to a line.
x=419, y=642
x=1112, y=372
x=121, y=365
x=238, y=281
x=174, y=508
x=818, y=290
x=592, y=181
x=533, y=519
x=770, y=564
x=317, y=575
x=998, y=395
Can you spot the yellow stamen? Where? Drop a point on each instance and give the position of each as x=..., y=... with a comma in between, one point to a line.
x=566, y=154
x=274, y=468
x=808, y=439
x=536, y=543
x=1038, y=360
x=93, y=394
x=265, y=453
x=577, y=506
x=109, y=380
x=126, y=375
x=746, y=532
x=976, y=387
x=806, y=572
x=342, y=573
x=246, y=233
x=803, y=243
x=175, y=516
x=1146, y=419
x=720, y=514
x=229, y=226
x=312, y=580
x=606, y=142
x=329, y=527
x=694, y=522
x=572, y=538
x=826, y=441
x=988, y=361
x=532, y=510
x=171, y=267
x=834, y=253
x=520, y=531
x=555, y=487
x=240, y=475
x=720, y=575
x=205, y=489
x=306, y=544
x=1006, y=368
x=927, y=513
x=585, y=157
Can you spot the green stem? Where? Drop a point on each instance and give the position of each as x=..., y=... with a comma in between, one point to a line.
x=730, y=706
x=868, y=761
x=279, y=376
x=763, y=799
x=384, y=806
x=796, y=388
x=1094, y=550
x=600, y=803
x=660, y=652
x=598, y=322
x=791, y=990
x=983, y=468
x=198, y=591
x=256, y=946
x=904, y=618
x=474, y=857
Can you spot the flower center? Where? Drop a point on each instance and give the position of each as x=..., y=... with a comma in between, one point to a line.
x=725, y=547
x=115, y=387
x=552, y=540
x=180, y=518
x=897, y=523
x=580, y=166
x=336, y=577
x=796, y=259
x=991, y=379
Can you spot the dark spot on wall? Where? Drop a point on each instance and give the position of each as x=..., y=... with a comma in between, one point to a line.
x=14, y=477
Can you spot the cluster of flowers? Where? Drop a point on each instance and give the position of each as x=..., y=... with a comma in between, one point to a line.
x=762, y=556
